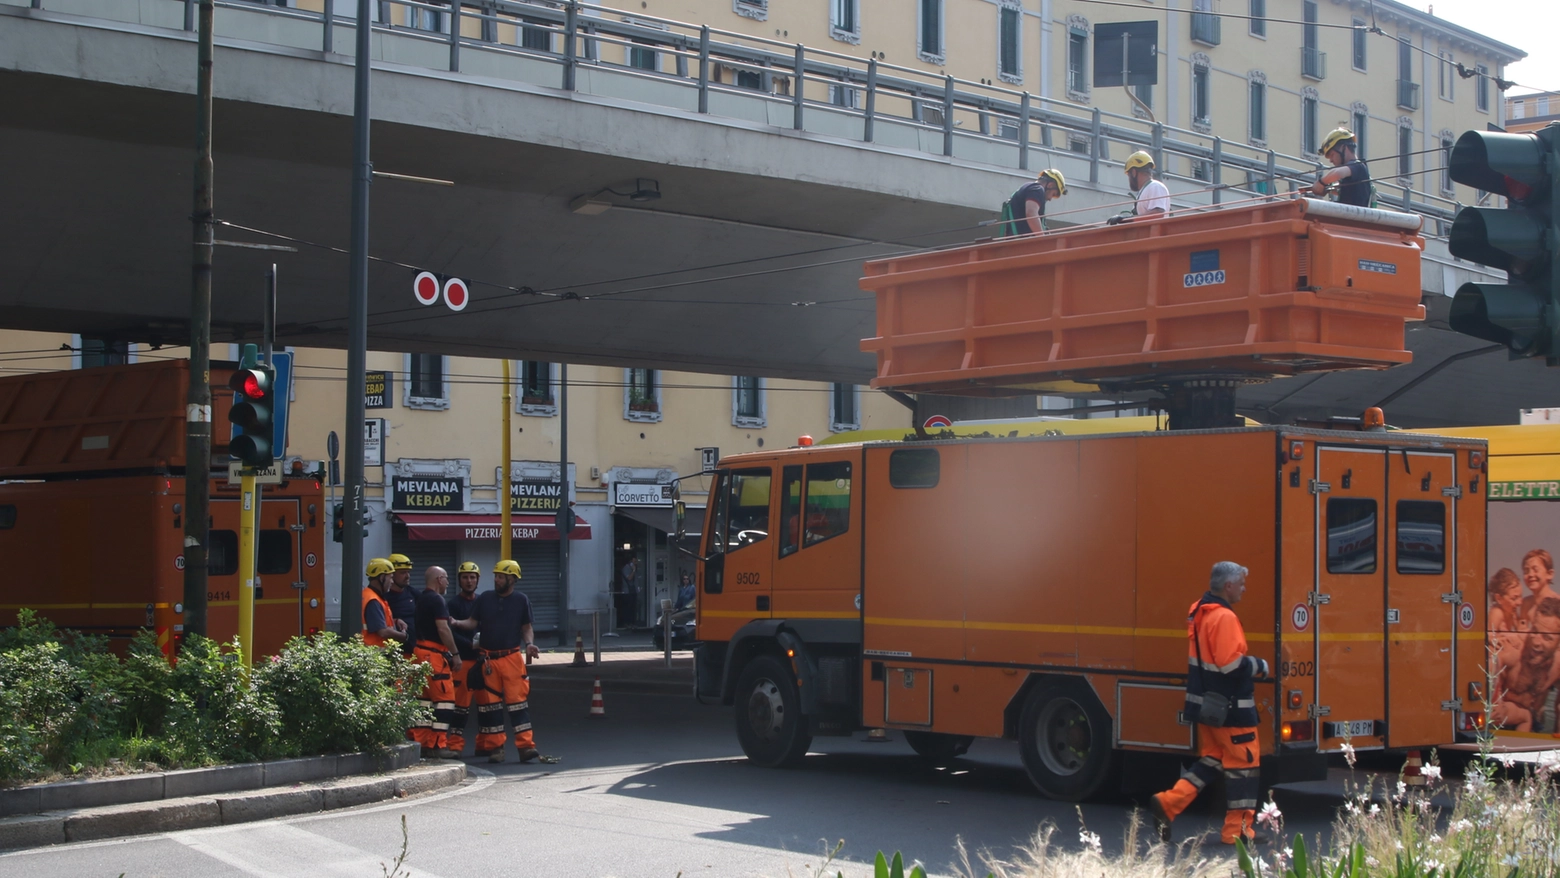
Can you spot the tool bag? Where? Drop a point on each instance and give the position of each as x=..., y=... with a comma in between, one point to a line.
x=1215, y=707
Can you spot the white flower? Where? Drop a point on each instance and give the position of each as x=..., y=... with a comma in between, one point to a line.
x=1348, y=753
x=1351, y=807
x=1462, y=824
x=1374, y=809
x=1434, y=838
x=1090, y=839
x=1511, y=860
x=1402, y=789
x=1399, y=844
x=1372, y=862
x=1432, y=773
x=1270, y=815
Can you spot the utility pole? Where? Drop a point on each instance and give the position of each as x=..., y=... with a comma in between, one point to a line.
x=506, y=478
x=564, y=484
x=357, y=336
x=197, y=434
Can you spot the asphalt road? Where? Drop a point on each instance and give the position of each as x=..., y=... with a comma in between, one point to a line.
x=657, y=788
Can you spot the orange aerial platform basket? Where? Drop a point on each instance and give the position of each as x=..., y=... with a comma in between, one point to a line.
x=1236, y=294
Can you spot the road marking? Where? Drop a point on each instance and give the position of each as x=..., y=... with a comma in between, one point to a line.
x=277, y=850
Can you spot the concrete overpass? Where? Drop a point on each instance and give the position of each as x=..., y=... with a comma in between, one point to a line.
x=746, y=263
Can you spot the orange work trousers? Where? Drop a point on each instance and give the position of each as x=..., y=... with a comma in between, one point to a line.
x=438, y=698
x=1236, y=753
x=463, y=690
x=505, y=689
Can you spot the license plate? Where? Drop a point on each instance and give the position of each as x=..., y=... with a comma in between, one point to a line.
x=1354, y=728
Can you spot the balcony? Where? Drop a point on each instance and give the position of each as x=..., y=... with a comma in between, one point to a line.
x=1205, y=28
x=1408, y=94
x=1313, y=64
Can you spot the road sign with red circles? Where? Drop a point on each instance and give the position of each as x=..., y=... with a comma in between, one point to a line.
x=426, y=287
x=1300, y=617
x=456, y=294
x=937, y=421
x=310, y=560
x=178, y=562
x=1465, y=616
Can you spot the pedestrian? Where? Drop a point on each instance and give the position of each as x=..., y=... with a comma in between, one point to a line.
x=630, y=578
x=1026, y=208
x=685, y=591
x=379, y=625
x=1153, y=197
x=502, y=620
x=402, y=599
x=1221, y=700
x=436, y=648
x=1349, y=173
x=459, y=606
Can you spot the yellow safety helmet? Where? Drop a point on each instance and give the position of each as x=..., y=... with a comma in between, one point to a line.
x=1140, y=159
x=468, y=567
x=401, y=562
x=1336, y=137
x=378, y=567
x=508, y=567
x=1057, y=178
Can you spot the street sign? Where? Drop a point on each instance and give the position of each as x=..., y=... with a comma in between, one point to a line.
x=708, y=458
x=456, y=294
x=378, y=390
x=426, y=288
x=332, y=445
x=271, y=475
x=374, y=430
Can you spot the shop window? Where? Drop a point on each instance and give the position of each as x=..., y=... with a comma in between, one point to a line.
x=747, y=508
x=1351, y=535
x=426, y=384
x=1421, y=536
x=276, y=552
x=790, y=509
x=914, y=468
x=221, y=552
x=828, y=502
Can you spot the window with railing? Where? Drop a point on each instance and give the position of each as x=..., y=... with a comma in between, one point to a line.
x=641, y=395
x=535, y=35
x=1205, y=28
x=1407, y=88
x=536, y=389
x=1313, y=61
x=1408, y=94
x=1009, y=19
x=1077, y=59
x=426, y=384
x=641, y=57
x=842, y=96
x=1256, y=20
x=930, y=31
x=747, y=402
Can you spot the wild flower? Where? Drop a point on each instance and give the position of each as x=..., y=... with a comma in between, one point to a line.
x=1090, y=840
x=1348, y=753
x=1374, y=809
x=1270, y=815
x=1432, y=773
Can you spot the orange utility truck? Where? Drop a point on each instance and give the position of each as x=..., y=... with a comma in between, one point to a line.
x=91, y=514
x=1036, y=588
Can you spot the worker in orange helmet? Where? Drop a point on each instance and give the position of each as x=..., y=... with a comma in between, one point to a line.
x=379, y=625
x=502, y=620
x=1221, y=700
x=459, y=605
x=435, y=647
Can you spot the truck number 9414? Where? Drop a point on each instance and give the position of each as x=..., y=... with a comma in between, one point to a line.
x=1296, y=669
x=747, y=579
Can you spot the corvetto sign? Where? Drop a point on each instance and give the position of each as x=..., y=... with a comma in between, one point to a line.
x=428, y=494
x=629, y=494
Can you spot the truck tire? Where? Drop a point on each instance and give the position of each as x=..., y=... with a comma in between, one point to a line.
x=1065, y=739
x=938, y=747
x=770, y=725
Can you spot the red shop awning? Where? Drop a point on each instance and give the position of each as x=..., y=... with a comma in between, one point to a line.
x=464, y=526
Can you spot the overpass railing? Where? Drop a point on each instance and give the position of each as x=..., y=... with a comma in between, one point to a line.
x=620, y=54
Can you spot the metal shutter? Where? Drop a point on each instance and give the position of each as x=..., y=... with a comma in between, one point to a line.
x=425, y=554
x=538, y=560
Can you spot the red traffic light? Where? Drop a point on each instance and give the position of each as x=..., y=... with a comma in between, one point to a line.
x=251, y=386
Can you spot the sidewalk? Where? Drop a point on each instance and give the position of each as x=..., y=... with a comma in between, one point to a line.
x=634, y=667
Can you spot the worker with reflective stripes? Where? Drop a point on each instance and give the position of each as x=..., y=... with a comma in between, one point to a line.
x=379, y=624
x=402, y=598
x=1221, y=700
x=459, y=606
x=502, y=620
x=435, y=646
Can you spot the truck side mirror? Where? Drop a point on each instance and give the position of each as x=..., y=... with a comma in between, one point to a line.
x=681, y=512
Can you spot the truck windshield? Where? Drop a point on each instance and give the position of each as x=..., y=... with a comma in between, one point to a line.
x=746, y=508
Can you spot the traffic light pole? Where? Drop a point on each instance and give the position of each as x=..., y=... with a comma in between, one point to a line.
x=563, y=503
x=246, y=566
x=357, y=336
x=197, y=437
x=506, y=478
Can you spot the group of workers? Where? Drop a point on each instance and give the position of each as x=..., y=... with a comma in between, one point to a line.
x=1025, y=210
x=476, y=646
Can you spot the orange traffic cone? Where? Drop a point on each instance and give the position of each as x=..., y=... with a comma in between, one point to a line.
x=579, y=651
x=597, y=708
x=877, y=736
x=1411, y=770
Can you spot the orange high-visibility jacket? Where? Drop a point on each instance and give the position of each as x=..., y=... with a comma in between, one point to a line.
x=370, y=596
x=1217, y=662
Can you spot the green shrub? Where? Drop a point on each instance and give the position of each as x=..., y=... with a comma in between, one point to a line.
x=37, y=708
x=339, y=695
x=214, y=713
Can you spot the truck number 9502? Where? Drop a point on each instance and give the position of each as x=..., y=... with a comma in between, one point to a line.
x=1296, y=669
x=747, y=579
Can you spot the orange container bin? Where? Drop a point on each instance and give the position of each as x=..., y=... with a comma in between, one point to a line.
x=1276, y=288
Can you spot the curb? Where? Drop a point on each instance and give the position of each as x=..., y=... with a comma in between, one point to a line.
x=197, y=812
x=181, y=784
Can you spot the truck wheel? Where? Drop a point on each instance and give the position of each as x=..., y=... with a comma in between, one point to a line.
x=1064, y=738
x=938, y=747
x=770, y=725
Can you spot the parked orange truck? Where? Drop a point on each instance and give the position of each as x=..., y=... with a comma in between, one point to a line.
x=91, y=523
x=1036, y=588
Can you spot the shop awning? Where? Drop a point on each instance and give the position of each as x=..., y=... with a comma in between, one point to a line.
x=466, y=526
x=663, y=518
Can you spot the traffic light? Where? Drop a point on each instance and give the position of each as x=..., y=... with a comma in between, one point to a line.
x=252, y=410
x=1522, y=239
x=338, y=522
x=566, y=519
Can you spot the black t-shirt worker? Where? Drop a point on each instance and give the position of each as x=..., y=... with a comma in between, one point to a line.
x=459, y=606
x=1348, y=172
x=1028, y=203
x=502, y=619
x=435, y=646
